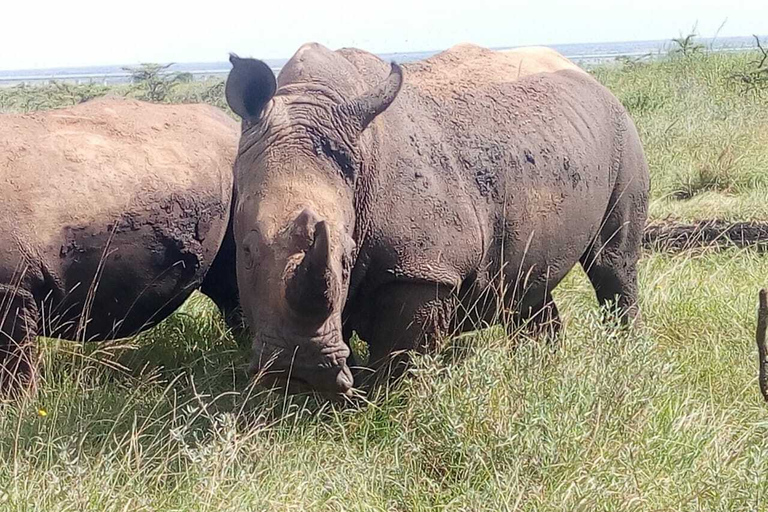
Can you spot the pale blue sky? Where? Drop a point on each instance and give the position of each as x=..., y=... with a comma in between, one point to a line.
x=62, y=33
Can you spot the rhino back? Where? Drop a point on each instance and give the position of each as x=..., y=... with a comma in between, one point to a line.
x=132, y=193
x=477, y=158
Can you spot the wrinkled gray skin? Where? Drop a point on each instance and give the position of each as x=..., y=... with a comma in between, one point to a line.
x=407, y=203
x=113, y=212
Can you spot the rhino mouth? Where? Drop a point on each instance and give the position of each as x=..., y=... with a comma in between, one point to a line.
x=332, y=384
x=279, y=381
x=323, y=350
x=324, y=371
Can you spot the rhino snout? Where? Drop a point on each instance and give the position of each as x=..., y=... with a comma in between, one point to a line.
x=326, y=371
x=331, y=380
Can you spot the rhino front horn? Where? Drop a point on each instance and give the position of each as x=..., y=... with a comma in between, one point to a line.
x=311, y=289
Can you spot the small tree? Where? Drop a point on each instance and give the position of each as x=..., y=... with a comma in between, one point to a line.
x=686, y=46
x=155, y=80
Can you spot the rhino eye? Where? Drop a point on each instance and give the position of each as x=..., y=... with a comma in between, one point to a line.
x=250, y=250
x=248, y=258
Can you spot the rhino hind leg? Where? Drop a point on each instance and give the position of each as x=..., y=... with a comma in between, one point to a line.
x=611, y=265
x=611, y=260
x=616, y=285
x=18, y=329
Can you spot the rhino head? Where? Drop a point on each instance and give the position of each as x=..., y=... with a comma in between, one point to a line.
x=298, y=164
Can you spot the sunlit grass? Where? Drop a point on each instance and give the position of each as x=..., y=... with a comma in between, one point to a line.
x=704, y=134
x=666, y=418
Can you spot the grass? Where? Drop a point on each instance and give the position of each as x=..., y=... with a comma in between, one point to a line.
x=703, y=132
x=664, y=418
x=26, y=98
x=667, y=418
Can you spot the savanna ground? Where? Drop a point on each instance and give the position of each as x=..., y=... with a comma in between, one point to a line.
x=664, y=418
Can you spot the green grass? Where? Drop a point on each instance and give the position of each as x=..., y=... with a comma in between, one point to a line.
x=665, y=418
x=703, y=131
x=668, y=418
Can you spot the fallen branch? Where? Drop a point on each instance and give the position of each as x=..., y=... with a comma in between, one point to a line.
x=674, y=236
x=762, y=323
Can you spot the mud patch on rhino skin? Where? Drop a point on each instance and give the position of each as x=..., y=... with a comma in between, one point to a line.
x=180, y=254
x=179, y=226
x=185, y=219
x=183, y=227
x=571, y=172
x=72, y=246
x=128, y=222
x=575, y=179
x=203, y=225
x=486, y=182
x=489, y=162
x=529, y=157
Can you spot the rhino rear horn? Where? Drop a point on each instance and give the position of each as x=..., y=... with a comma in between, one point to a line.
x=250, y=85
x=311, y=289
x=364, y=109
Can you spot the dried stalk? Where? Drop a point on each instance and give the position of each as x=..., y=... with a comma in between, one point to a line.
x=762, y=323
x=762, y=50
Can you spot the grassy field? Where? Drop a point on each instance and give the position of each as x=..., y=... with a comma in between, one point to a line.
x=664, y=418
x=704, y=132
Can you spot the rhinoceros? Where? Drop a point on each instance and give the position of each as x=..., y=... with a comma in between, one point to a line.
x=407, y=202
x=112, y=213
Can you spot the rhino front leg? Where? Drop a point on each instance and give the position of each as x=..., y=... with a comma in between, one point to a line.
x=405, y=317
x=18, y=328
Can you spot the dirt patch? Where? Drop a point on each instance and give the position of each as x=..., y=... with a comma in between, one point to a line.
x=675, y=236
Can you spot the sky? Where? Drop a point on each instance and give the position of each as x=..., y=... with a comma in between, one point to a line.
x=64, y=33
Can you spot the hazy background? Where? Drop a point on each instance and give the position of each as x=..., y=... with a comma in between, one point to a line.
x=89, y=32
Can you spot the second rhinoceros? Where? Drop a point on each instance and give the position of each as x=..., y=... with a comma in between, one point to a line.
x=112, y=213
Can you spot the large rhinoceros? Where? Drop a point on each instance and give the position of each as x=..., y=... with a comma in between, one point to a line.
x=111, y=213
x=404, y=202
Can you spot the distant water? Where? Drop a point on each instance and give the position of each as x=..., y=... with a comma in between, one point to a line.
x=583, y=54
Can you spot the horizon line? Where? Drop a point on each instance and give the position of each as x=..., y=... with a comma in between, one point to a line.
x=282, y=60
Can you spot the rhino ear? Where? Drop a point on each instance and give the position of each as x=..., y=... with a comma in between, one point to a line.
x=250, y=86
x=364, y=109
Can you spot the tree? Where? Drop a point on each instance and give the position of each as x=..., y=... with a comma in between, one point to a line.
x=156, y=81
